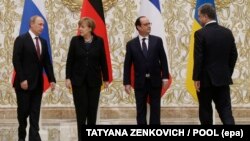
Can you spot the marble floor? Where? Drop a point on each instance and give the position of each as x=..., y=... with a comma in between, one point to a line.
x=64, y=129
x=50, y=130
x=56, y=129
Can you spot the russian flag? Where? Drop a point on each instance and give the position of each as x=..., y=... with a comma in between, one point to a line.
x=152, y=10
x=31, y=8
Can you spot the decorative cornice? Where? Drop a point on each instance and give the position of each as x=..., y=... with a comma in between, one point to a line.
x=75, y=5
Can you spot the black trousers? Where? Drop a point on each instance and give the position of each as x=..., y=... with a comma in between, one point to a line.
x=28, y=105
x=86, y=101
x=141, y=96
x=222, y=100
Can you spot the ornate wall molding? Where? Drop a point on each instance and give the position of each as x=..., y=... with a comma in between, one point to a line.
x=75, y=5
x=218, y=3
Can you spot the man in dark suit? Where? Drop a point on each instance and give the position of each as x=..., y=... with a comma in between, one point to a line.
x=215, y=56
x=146, y=53
x=30, y=56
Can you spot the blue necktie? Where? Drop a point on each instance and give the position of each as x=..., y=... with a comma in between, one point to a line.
x=144, y=47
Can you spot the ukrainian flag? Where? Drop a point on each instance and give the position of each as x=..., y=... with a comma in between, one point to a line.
x=196, y=26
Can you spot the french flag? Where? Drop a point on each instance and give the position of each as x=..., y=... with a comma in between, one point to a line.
x=31, y=8
x=152, y=10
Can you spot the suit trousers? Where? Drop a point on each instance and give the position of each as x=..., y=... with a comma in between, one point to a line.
x=142, y=95
x=28, y=105
x=222, y=100
x=86, y=101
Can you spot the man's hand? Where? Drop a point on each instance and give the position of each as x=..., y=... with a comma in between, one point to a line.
x=52, y=86
x=68, y=83
x=128, y=89
x=164, y=83
x=24, y=85
x=106, y=84
x=197, y=85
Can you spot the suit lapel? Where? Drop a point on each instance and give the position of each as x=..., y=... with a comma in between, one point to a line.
x=150, y=45
x=83, y=46
x=43, y=48
x=33, y=47
x=93, y=44
x=139, y=46
x=81, y=43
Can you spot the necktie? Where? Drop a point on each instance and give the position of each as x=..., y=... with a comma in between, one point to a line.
x=37, y=47
x=144, y=47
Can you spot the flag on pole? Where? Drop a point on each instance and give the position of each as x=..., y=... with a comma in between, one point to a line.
x=152, y=10
x=94, y=10
x=196, y=26
x=32, y=8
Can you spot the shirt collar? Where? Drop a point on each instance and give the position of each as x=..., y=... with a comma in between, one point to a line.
x=141, y=37
x=212, y=21
x=32, y=34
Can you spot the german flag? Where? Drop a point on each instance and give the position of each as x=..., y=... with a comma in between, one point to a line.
x=94, y=10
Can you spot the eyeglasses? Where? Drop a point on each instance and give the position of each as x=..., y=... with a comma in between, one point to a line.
x=147, y=24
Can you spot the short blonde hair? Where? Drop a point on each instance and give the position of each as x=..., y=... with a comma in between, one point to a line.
x=89, y=21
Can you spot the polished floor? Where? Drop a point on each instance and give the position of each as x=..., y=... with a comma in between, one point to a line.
x=65, y=130
x=50, y=130
x=55, y=129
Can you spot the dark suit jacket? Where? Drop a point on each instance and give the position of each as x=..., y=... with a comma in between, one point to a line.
x=215, y=55
x=27, y=64
x=86, y=64
x=156, y=62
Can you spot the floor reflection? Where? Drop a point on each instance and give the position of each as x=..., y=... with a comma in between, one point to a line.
x=51, y=130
